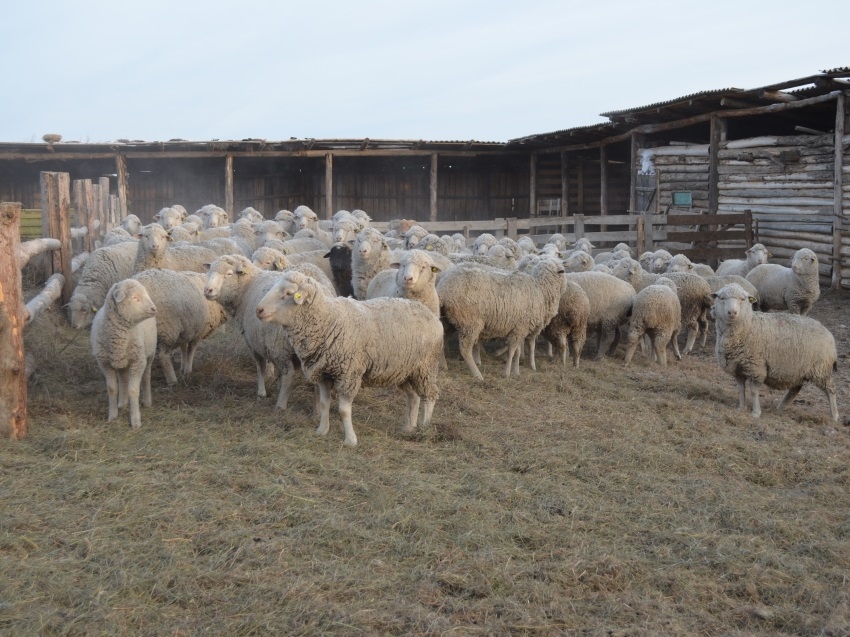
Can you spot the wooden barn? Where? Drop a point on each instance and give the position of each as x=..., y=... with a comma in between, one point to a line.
x=777, y=154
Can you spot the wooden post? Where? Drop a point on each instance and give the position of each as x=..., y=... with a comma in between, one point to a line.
x=121, y=172
x=717, y=133
x=433, y=213
x=838, y=190
x=55, y=209
x=565, y=184
x=104, y=206
x=603, y=183
x=634, y=167
x=580, y=188
x=512, y=234
x=647, y=233
x=13, y=377
x=114, y=210
x=329, y=186
x=228, y=186
x=532, y=186
x=579, y=226
x=84, y=204
x=466, y=230
x=641, y=236
x=97, y=213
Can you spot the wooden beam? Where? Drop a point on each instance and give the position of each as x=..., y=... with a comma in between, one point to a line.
x=123, y=184
x=84, y=205
x=778, y=96
x=565, y=184
x=228, y=186
x=718, y=126
x=329, y=185
x=55, y=213
x=580, y=187
x=13, y=378
x=532, y=185
x=603, y=182
x=838, y=183
x=432, y=190
x=634, y=164
x=104, y=204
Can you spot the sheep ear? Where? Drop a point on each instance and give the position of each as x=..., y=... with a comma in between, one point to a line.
x=157, y=216
x=690, y=266
x=395, y=266
x=138, y=235
x=278, y=264
x=327, y=256
x=751, y=299
x=206, y=266
x=350, y=243
x=713, y=295
x=118, y=295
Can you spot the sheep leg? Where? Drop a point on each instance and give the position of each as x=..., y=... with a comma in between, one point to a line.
x=790, y=395
x=615, y=342
x=428, y=409
x=261, y=374
x=147, y=400
x=476, y=352
x=659, y=347
x=692, y=337
x=563, y=346
x=576, y=345
x=122, y=388
x=111, y=392
x=550, y=353
x=167, y=366
x=133, y=384
x=754, y=390
x=188, y=357
x=632, y=340
x=412, y=414
x=532, y=349
x=345, y=413
x=324, y=408
x=829, y=390
x=468, y=343
x=674, y=339
x=286, y=377
x=443, y=364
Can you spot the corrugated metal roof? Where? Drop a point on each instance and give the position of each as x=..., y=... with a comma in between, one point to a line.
x=685, y=98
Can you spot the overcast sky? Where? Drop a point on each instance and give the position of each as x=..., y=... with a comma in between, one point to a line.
x=438, y=70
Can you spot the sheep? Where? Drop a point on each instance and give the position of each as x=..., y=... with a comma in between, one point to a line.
x=104, y=267
x=512, y=246
x=397, y=227
x=169, y=217
x=502, y=256
x=583, y=244
x=660, y=258
x=184, y=316
x=344, y=344
x=132, y=224
x=717, y=282
x=117, y=235
x=412, y=236
x=620, y=251
x=153, y=251
x=645, y=260
x=266, y=230
x=794, y=289
x=252, y=215
x=370, y=255
x=305, y=219
x=681, y=263
x=434, y=243
x=567, y=331
x=123, y=342
x=694, y=296
x=413, y=276
x=286, y=220
x=238, y=285
x=579, y=262
x=482, y=243
x=187, y=232
x=459, y=241
x=782, y=351
x=527, y=245
x=657, y=312
x=482, y=303
x=558, y=240
x=212, y=215
x=611, y=301
x=361, y=216
x=757, y=255
x=339, y=259
x=346, y=229
x=296, y=245
x=274, y=260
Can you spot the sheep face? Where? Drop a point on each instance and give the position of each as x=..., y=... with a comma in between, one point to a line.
x=679, y=263
x=369, y=243
x=168, y=218
x=804, y=262
x=267, y=231
x=132, y=224
x=81, y=312
x=223, y=273
x=415, y=271
x=757, y=255
x=578, y=262
x=584, y=245
x=131, y=301
x=285, y=298
x=306, y=218
x=269, y=259
x=154, y=239
x=731, y=304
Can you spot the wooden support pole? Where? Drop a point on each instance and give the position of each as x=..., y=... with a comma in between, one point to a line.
x=603, y=184
x=111, y=222
x=838, y=183
x=641, y=234
x=565, y=184
x=580, y=188
x=716, y=135
x=121, y=171
x=532, y=186
x=433, y=213
x=84, y=205
x=579, y=226
x=634, y=168
x=13, y=378
x=55, y=213
x=329, y=185
x=228, y=186
x=511, y=231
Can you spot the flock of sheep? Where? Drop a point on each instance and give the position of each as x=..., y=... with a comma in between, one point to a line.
x=351, y=306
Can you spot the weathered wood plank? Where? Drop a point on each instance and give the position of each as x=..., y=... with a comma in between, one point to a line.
x=13, y=381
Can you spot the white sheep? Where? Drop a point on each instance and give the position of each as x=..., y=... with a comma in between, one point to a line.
x=681, y=263
x=153, y=251
x=213, y=216
x=361, y=216
x=412, y=236
x=434, y=243
x=123, y=341
x=169, y=217
x=567, y=331
x=579, y=261
x=104, y=267
x=620, y=251
x=345, y=229
x=502, y=256
x=756, y=255
x=188, y=232
x=659, y=261
x=306, y=219
x=132, y=224
x=527, y=245
x=184, y=316
x=370, y=255
x=782, y=351
x=251, y=214
x=558, y=240
x=794, y=289
x=483, y=303
x=483, y=243
x=286, y=219
x=611, y=303
x=413, y=276
x=274, y=260
x=345, y=344
x=583, y=244
x=657, y=313
x=117, y=235
x=238, y=285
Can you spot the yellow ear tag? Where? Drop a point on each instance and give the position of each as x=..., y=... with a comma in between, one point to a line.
x=434, y=268
x=429, y=248
x=297, y=296
x=94, y=309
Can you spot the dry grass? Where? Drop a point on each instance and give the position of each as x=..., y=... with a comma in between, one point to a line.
x=598, y=501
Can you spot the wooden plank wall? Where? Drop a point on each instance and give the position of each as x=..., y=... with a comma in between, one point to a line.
x=682, y=173
x=787, y=182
